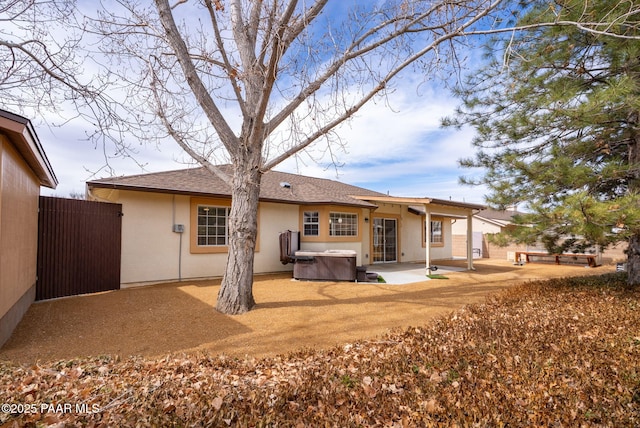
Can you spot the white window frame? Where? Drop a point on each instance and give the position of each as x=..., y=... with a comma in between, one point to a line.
x=437, y=232
x=315, y=216
x=343, y=224
x=208, y=227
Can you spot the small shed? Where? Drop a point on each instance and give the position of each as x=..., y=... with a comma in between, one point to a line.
x=24, y=167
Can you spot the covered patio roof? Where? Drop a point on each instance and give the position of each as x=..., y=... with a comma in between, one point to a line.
x=430, y=206
x=420, y=201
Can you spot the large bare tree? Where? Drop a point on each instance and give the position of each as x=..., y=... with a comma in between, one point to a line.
x=252, y=83
x=256, y=82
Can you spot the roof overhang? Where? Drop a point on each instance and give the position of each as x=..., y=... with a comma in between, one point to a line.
x=399, y=200
x=21, y=134
x=151, y=189
x=358, y=203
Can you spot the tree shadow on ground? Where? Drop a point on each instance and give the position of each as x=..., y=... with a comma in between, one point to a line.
x=180, y=317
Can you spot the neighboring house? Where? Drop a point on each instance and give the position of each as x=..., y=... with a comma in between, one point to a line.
x=24, y=167
x=174, y=223
x=488, y=221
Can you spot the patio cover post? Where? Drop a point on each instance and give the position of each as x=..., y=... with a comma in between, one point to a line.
x=427, y=238
x=470, y=240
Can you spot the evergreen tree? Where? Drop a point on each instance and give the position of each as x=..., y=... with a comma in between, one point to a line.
x=557, y=112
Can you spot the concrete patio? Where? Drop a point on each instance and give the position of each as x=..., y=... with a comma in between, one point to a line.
x=407, y=273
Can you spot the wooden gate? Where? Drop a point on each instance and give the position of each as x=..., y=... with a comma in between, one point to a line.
x=78, y=247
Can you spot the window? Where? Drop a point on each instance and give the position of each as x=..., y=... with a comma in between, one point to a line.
x=311, y=223
x=343, y=224
x=212, y=225
x=324, y=223
x=436, y=232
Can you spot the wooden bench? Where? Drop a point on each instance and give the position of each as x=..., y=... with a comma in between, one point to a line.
x=589, y=258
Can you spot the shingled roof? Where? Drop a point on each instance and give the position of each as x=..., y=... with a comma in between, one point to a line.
x=299, y=189
x=504, y=216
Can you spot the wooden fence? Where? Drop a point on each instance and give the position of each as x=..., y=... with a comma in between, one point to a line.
x=78, y=247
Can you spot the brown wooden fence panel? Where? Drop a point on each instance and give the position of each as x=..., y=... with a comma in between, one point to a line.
x=78, y=247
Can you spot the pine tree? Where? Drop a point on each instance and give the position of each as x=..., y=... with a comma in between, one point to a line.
x=557, y=112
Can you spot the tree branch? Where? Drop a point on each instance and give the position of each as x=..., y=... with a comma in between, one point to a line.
x=203, y=97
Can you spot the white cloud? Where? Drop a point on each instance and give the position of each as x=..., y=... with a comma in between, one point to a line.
x=397, y=148
x=400, y=148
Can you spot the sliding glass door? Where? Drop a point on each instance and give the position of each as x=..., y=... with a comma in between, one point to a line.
x=385, y=240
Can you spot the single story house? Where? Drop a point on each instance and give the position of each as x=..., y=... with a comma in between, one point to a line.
x=24, y=167
x=489, y=221
x=486, y=222
x=174, y=222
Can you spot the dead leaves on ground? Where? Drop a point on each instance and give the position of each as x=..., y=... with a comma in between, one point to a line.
x=562, y=352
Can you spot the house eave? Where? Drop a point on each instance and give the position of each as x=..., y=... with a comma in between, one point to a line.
x=148, y=189
x=23, y=136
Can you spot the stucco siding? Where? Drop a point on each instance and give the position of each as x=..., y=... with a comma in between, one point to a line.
x=152, y=251
x=361, y=246
x=412, y=247
x=149, y=246
x=460, y=227
x=411, y=236
x=273, y=219
x=19, y=192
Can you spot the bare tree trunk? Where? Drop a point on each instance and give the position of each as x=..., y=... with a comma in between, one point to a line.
x=633, y=261
x=633, y=252
x=236, y=292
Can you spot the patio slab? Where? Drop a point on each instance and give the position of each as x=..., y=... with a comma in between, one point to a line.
x=408, y=273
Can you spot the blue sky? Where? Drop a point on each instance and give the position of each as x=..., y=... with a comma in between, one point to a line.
x=399, y=149
x=394, y=146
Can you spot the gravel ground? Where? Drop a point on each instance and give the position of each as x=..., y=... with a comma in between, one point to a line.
x=179, y=318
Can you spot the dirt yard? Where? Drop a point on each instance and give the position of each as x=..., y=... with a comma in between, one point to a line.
x=180, y=317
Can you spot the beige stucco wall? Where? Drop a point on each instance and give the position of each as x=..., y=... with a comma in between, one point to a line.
x=460, y=227
x=361, y=247
x=410, y=245
x=152, y=252
x=19, y=192
x=412, y=237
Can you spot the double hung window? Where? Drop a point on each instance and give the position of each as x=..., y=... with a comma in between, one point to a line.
x=436, y=232
x=311, y=223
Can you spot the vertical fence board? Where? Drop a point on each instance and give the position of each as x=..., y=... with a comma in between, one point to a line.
x=78, y=247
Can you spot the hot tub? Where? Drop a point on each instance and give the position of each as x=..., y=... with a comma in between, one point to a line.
x=329, y=265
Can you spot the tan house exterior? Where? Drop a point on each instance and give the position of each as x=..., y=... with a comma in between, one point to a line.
x=486, y=222
x=24, y=167
x=490, y=221
x=171, y=222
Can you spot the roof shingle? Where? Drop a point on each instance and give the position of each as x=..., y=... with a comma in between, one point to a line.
x=199, y=181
